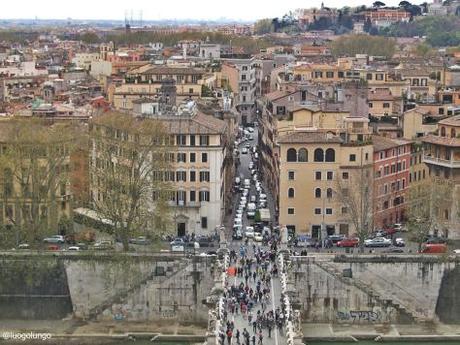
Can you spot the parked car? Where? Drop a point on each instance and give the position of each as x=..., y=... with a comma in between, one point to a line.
x=205, y=242
x=251, y=214
x=237, y=235
x=52, y=247
x=435, y=240
x=399, y=242
x=177, y=242
x=336, y=238
x=244, y=150
x=249, y=233
x=54, y=239
x=457, y=251
x=377, y=242
x=434, y=248
x=103, y=245
x=24, y=246
x=258, y=237
x=305, y=241
x=140, y=240
x=348, y=242
x=74, y=248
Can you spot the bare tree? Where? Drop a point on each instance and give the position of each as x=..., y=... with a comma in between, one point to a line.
x=355, y=195
x=426, y=205
x=34, y=168
x=130, y=165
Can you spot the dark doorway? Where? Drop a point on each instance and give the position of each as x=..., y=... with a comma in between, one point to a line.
x=315, y=231
x=180, y=229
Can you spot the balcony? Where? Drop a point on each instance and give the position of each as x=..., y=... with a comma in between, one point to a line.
x=448, y=163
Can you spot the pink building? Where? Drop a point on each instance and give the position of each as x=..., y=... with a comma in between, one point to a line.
x=391, y=180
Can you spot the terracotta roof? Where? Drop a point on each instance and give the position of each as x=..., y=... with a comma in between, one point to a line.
x=309, y=138
x=451, y=121
x=272, y=96
x=381, y=143
x=380, y=95
x=199, y=124
x=165, y=70
x=444, y=141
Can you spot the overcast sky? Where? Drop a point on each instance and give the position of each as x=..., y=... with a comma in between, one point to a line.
x=164, y=9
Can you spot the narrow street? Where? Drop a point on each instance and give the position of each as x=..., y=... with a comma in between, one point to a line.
x=271, y=305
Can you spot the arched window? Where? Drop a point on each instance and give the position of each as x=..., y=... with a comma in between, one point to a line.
x=303, y=155
x=330, y=155
x=318, y=193
x=453, y=134
x=291, y=193
x=291, y=155
x=443, y=131
x=329, y=193
x=319, y=155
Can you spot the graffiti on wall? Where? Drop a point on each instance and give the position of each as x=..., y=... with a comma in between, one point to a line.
x=359, y=316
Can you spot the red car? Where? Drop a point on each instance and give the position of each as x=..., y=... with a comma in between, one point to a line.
x=348, y=243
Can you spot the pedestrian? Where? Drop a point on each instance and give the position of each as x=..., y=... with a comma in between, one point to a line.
x=237, y=336
x=253, y=340
x=254, y=326
x=269, y=328
x=261, y=337
x=229, y=336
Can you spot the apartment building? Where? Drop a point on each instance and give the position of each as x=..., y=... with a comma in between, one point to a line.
x=317, y=165
x=146, y=81
x=442, y=156
x=392, y=158
x=383, y=103
x=240, y=73
x=201, y=159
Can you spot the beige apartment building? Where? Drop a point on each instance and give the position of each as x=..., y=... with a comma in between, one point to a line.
x=442, y=156
x=318, y=160
x=200, y=173
x=146, y=81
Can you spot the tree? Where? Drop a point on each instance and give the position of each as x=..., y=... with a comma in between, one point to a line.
x=426, y=204
x=404, y=4
x=362, y=44
x=378, y=4
x=423, y=50
x=34, y=169
x=263, y=26
x=132, y=164
x=355, y=195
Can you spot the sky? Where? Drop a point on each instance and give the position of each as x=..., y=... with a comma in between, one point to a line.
x=164, y=9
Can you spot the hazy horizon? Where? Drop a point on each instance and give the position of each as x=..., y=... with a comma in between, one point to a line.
x=238, y=10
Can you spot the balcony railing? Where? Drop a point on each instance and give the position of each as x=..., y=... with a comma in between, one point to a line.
x=449, y=163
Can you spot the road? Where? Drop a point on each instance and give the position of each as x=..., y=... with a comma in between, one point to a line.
x=240, y=321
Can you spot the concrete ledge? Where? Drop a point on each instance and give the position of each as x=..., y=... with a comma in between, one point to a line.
x=385, y=258
x=343, y=339
x=419, y=338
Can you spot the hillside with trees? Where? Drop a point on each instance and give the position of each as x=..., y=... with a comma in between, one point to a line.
x=362, y=44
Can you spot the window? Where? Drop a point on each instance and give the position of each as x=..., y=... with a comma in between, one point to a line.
x=181, y=157
x=204, y=157
x=386, y=105
x=243, y=77
x=352, y=158
x=319, y=155
x=290, y=210
x=369, y=76
x=204, y=140
x=204, y=195
x=190, y=90
x=303, y=155
x=330, y=155
x=291, y=155
x=204, y=176
x=329, y=193
x=291, y=193
x=370, y=105
x=330, y=175
x=192, y=157
x=181, y=140
x=443, y=131
x=317, y=211
x=204, y=222
x=181, y=176
x=318, y=193
x=345, y=175
x=328, y=210
x=341, y=75
x=192, y=196
x=344, y=210
x=192, y=140
x=192, y=175
x=317, y=175
x=379, y=76
x=329, y=74
x=291, y=175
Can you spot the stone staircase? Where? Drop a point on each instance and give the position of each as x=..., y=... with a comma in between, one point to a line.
x=406, y=315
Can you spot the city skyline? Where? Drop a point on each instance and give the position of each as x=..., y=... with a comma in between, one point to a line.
x=46, y=9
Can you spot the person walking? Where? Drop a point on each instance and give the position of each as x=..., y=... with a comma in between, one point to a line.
x=237, y=336
x=269, y=328
x=253, y=340
x=261, y=338
x=229, y=336
x=254, y=326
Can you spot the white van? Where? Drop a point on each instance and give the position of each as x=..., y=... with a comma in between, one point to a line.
x=247, y=183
